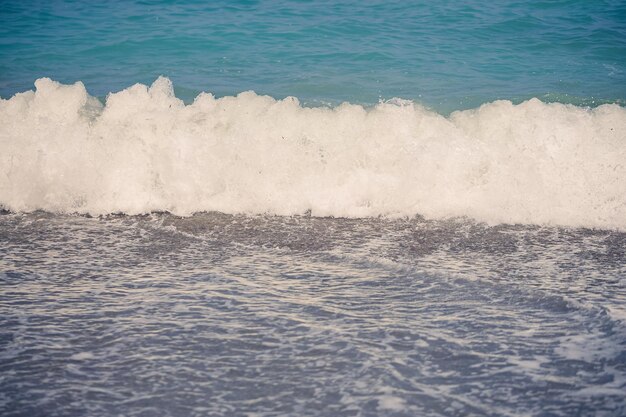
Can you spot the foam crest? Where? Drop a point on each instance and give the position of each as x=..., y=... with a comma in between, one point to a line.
x=61, y=150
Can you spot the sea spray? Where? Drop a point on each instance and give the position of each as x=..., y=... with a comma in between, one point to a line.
x=144, y=150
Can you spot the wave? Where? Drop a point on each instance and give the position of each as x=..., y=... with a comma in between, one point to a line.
x=144, y=150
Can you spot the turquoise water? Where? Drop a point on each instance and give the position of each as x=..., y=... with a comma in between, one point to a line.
x=447, y=55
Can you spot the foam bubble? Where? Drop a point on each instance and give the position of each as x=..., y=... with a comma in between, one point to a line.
x=145, y=150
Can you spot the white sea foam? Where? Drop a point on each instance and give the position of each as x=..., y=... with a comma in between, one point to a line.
x=61, y=150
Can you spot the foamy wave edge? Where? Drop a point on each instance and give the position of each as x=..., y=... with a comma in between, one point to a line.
x=144, y=150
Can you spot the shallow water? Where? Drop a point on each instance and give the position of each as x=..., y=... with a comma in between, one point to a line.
x=260, y=315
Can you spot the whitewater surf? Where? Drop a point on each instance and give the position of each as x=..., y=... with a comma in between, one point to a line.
x=144, y=150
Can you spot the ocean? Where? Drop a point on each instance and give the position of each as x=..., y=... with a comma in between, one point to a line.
x=289, y=208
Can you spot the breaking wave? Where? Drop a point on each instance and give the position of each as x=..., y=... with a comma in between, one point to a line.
x=144, y=150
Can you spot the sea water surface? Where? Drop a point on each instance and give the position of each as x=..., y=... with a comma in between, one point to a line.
x=445, y=54
x=419, y=210
x=217, y=314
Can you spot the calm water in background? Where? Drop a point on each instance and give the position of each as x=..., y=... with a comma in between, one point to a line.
x=447, y=54
x=234, y=315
